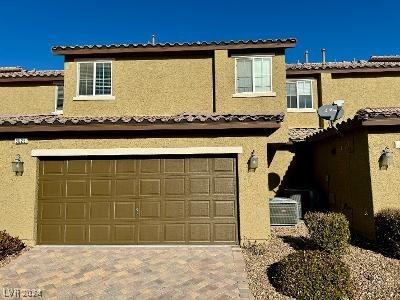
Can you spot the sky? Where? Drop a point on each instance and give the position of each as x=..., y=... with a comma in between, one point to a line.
x=347, y=29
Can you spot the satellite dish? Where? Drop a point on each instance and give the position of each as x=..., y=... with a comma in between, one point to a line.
x=330, y=112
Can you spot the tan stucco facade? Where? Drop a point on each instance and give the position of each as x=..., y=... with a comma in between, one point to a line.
x=385, y=183
x=27, y=98
x=18, y=199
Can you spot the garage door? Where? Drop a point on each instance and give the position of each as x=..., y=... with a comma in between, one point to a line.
x=167, y=200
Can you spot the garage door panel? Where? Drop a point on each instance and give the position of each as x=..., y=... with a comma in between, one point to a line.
x=125, y=187
x=77, y=167
x=199, y=209
x=51, y=234
x=100, y=188
x=52, y=188
x=199, y=186
x=125, y=210
x=52, y=167
x=150, y=187
x=102, y=167
x=77, y=188
x=224, y=232
x=174, y=209
x=174, y=232
x=181, y=200
x=150, y=233
x=75, y=211
x=100, y=211
x=150, y=166
x=225, y=209
x=174, y=166
x=75, y=234
x=100, y=233
x=174, y=186
x=150, y=209
x=200, y=232
x=125, y=234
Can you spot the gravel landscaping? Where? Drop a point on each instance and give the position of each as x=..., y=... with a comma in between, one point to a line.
x=374, y=275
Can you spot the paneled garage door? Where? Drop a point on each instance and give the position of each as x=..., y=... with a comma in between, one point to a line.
x=167, y=200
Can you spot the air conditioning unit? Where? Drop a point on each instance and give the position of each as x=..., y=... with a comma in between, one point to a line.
x=283, y=211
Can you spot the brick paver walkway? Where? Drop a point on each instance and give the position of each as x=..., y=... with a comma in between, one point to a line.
x=129, y=273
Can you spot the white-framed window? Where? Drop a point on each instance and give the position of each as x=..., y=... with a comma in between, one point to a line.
x=94, y=78
x=253, y=74
x=59, y=99
x=299, y=94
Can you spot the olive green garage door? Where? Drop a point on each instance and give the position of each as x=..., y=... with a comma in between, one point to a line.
x=167, y=200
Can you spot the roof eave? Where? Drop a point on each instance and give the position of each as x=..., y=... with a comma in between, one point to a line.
x=159, y=49
x=254, y=125
x=32, y=79
x=342, y=71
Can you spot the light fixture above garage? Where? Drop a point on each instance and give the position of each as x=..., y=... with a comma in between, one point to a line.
x=253, y=162
x=386, y=159
x=18, y=165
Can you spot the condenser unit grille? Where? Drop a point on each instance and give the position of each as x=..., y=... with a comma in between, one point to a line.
x=284, y=212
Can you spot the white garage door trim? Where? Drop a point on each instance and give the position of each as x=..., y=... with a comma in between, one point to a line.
x=135, y=151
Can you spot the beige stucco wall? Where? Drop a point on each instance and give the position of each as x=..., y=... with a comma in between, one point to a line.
x=385, y=183
x=144, y=86
x=361, y=90
x=27, y=99
x=18, y=197
x=341, y=172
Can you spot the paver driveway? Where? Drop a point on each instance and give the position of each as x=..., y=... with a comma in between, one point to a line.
x=129, y=272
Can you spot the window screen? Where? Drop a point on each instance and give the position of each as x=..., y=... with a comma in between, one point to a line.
x=60, y=97
x=253, y=74
x=94, y=78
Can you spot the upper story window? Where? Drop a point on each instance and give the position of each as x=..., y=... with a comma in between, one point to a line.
x=94, y=78
x=59, y=101
x=299, y=94
x=253, y=74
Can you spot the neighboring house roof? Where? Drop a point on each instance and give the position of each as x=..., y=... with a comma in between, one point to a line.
x=301, y=134
x=49, y=123
x=13, y=74
x=383, y=58
x=164, y=47
x=385, y=117
x=342, y=67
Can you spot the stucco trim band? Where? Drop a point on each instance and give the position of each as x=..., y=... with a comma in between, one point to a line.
x=135, y=151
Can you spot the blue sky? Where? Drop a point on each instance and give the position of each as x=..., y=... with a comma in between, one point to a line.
x=347, y=29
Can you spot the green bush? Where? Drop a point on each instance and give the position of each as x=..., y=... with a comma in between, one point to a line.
x=387, y=224
x=9, y=245
x=312, y=275
x=329, y=231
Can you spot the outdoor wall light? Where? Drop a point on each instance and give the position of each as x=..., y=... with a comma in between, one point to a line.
x=253, y=162
x=18, y=165
x=386, y=159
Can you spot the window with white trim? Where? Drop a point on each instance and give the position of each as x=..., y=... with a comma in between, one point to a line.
x=299, y=94
x=59, y=101
x=253, y=74
x=94, y=78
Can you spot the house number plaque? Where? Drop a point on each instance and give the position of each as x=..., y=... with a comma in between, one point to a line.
x=21, y=141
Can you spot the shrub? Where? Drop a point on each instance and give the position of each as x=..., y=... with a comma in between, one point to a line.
x=387, y=224
x=312, y=275
x=255, y=248
x=9, y=245
x=329, y=231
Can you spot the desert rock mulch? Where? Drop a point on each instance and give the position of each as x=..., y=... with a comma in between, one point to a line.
x=374, y=276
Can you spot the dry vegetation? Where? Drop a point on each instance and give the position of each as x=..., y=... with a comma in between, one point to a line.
x=374, y=275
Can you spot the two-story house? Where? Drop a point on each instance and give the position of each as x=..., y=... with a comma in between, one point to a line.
x=158, y=143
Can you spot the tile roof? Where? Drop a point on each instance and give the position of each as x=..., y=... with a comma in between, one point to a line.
x=378, y=113
x=280, y=42
x=7, y=121
x=301, y=134
x=384, y=58
x=13, y=73
x=342, y=66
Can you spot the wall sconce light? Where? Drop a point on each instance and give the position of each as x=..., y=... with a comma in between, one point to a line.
x=18, y=165
x=386, y=159
x=253, y=162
